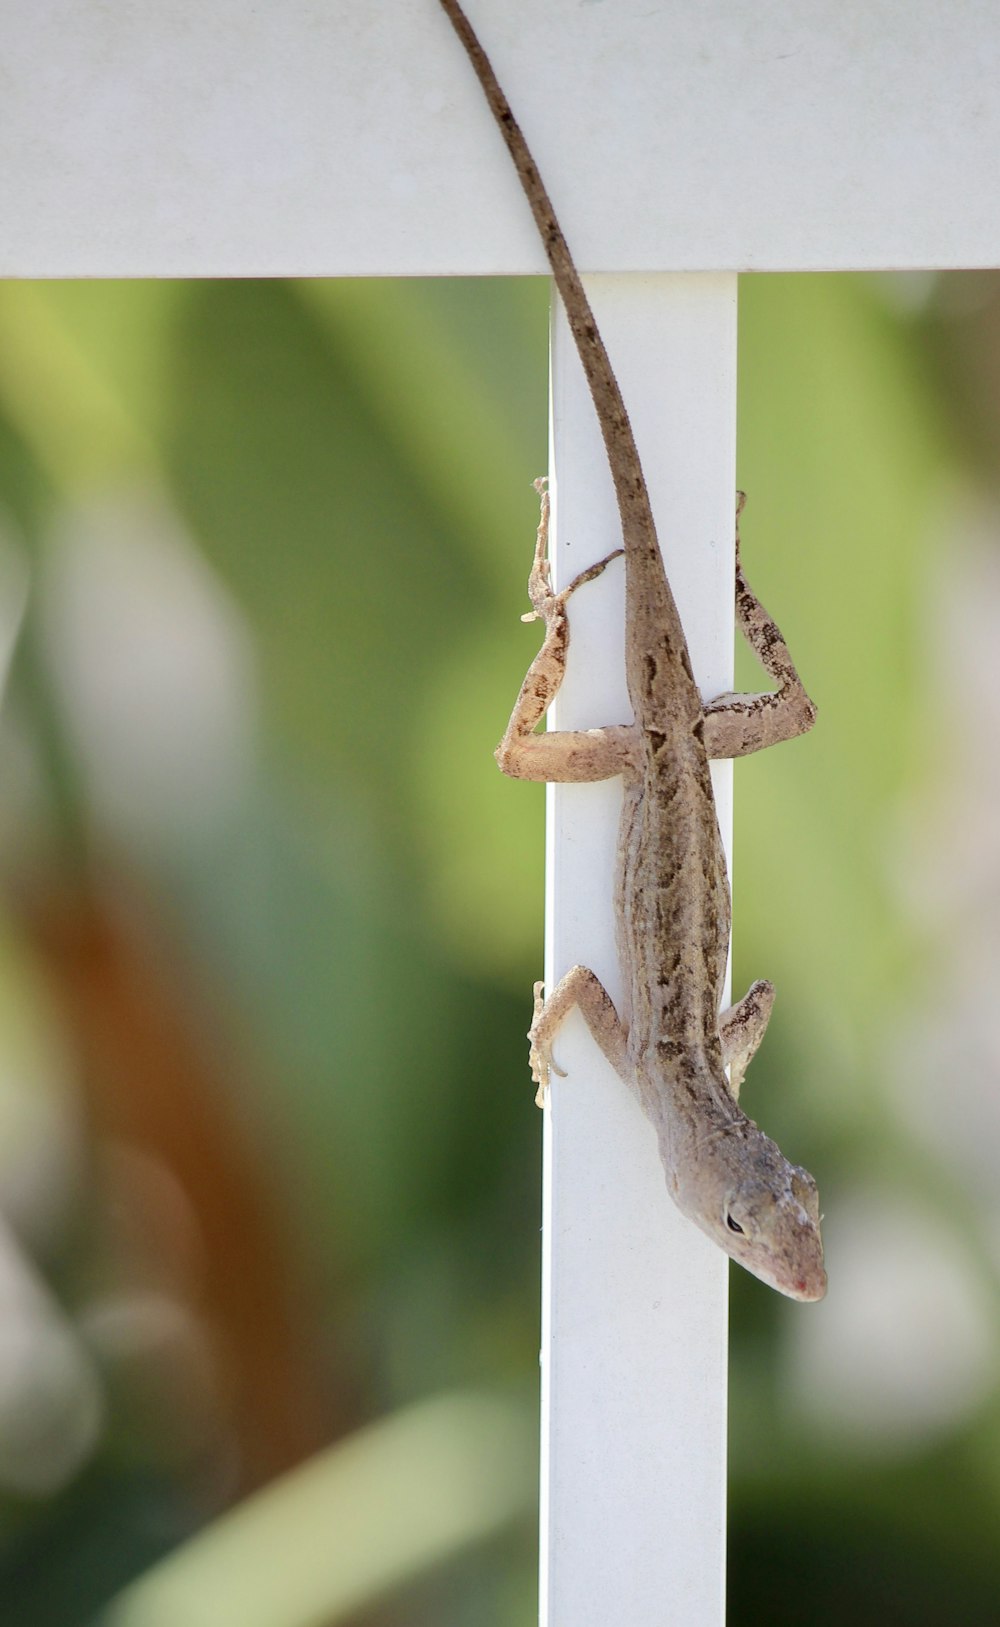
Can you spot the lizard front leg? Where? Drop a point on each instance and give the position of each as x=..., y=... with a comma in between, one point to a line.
x=580, y=987
x=741, y=1030
x=562, y=756
x=736, y=725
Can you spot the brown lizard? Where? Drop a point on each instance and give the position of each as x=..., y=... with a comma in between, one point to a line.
x=672, y=901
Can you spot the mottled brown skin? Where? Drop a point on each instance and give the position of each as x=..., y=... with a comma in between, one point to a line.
x=672, y=900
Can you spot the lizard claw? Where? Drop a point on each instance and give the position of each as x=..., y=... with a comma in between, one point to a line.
x=546, y=605
x=540, y=1056
x=540, y=577
x=741, y=498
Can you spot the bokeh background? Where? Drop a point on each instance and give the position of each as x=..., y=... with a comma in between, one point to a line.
x=269, y=1167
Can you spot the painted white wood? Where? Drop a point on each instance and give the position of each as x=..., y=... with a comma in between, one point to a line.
x=338, y=137
x=634, y=1296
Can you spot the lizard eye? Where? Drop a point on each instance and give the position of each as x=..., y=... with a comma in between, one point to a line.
x=734, y=1225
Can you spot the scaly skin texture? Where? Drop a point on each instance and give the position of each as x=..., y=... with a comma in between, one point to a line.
x=672, y=901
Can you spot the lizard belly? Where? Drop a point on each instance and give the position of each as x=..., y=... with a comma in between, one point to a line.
x=672, y=905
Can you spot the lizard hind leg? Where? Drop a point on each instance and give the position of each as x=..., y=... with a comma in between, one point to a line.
x=741, y=1030
x=580, y=987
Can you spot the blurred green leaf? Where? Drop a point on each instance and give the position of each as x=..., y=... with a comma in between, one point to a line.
x=378, y=1509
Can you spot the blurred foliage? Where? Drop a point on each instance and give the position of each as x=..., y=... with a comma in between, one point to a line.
x=267, y=1173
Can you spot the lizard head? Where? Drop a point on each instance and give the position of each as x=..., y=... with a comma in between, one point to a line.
x=761, y=1209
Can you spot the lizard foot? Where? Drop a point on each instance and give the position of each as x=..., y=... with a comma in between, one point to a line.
x=546, y=605
x=540, y=1057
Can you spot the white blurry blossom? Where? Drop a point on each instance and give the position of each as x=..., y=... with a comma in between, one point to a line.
x=943, y=1054
x=904, y=1347
x=51, y=1400
x=153, y=667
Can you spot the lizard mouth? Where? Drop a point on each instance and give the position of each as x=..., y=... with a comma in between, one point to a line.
x=807, y=1284
x=808, y=1289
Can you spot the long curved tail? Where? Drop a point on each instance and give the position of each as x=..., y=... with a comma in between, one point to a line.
x=643, y=558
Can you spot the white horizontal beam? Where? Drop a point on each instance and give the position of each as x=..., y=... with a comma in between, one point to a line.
x=346, y=138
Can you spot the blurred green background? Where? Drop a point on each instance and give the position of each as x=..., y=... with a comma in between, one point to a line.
x=269, y=1168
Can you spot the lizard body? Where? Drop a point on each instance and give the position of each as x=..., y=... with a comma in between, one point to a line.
x=672, y=900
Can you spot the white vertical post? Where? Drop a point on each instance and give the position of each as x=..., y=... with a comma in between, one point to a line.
x=634, y=1297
